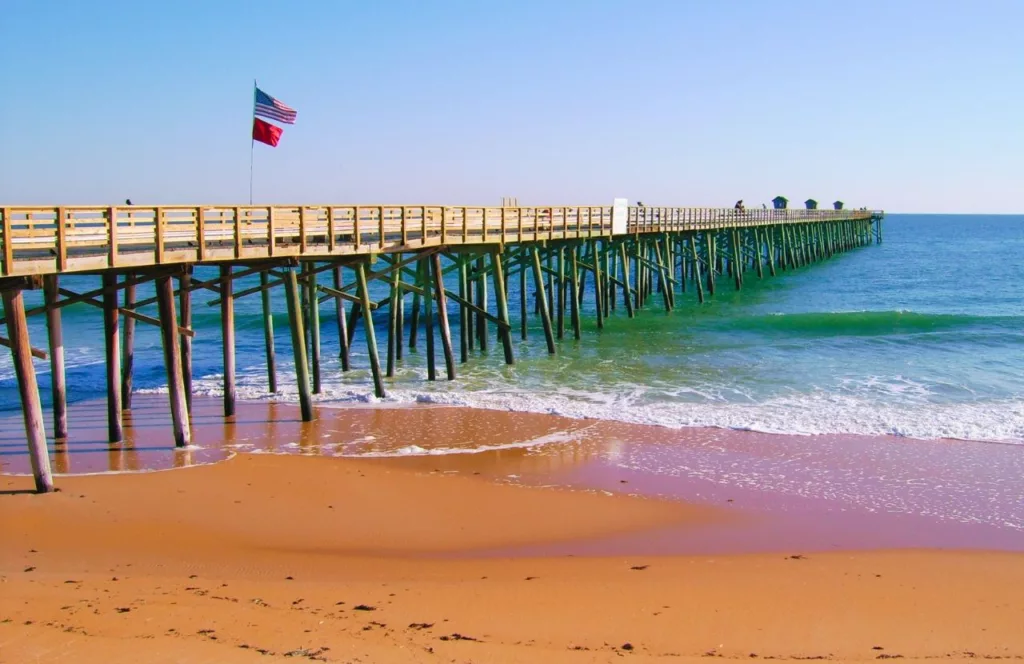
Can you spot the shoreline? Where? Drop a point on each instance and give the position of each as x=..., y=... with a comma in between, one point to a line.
x=826, y=492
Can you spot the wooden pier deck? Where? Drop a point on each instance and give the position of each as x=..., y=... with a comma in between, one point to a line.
x=439, y=256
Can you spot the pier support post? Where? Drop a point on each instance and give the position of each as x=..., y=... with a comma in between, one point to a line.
x=128, y=346
x=55, y=336
x=542, y=300
x=698, y=279
x=442, y=317
x=371, y=336
x=227, y=322
x=423, y=269
x=560, y=326
x=314, y=325
x=574, y=301
x=481, y=301
x=172, y=361
x=627, y=297
x=28, y=389
x=291, y=291
x=463, y=311
x=523, y=316
x=112, y=346
x=185, y=299
x=394, y=332
x=758, y=253
x=595, y=258
x=709, y=241
x=737, y=258
x=268, y=332
x=501, y=297
x=339, y=309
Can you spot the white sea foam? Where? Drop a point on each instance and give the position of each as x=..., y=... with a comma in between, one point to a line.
x=891, y=406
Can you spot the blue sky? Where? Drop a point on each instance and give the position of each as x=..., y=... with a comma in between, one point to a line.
x=907, y=105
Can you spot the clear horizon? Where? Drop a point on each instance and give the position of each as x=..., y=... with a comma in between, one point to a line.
x=907, y=105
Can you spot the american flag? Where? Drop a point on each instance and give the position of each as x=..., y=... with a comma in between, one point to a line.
x=269, y=107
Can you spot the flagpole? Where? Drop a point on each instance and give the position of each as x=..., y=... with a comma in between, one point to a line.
x=252, y=141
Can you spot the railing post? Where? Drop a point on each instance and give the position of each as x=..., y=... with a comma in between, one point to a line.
x=238, y=231
x=112, y=237
x=158, y=234
x=62, y=249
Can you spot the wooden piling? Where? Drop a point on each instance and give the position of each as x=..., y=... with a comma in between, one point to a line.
x=112, y=346
x=697, y=277
x=394, y=332
x=442, y=316
x=574, y=301
x=423, y=270
x=314, y=326
x=501, y=298
x=463, y=311
x=371, y=335
x=28, y=388
x=595, y=258
x=481, y=301
x=291, y=291
x=55, y=335
x=339, y=305
x=172, y=362
x=560, y=326
x=523, y=320
x=268, y=332
x=185, y=300
x=414, y=320
x=128, y=346
x=627, y=297
x=737, y=258
x=227, y=323
x=542, y=301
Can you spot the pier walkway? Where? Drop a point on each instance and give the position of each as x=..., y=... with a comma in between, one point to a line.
x=621, y=255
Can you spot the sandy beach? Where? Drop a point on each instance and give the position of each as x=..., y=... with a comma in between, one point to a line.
x=264, y=557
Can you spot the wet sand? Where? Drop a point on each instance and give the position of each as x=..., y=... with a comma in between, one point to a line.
x=462, y=557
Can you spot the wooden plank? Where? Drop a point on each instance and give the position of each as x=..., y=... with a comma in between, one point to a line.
x=28, y=388
x=172, y=362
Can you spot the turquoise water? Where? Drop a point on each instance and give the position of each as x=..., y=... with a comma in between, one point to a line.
x=920, y=336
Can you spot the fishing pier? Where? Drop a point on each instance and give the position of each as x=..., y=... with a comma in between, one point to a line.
x=415, y=264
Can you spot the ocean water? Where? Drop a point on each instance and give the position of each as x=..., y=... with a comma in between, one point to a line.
x=920, y=337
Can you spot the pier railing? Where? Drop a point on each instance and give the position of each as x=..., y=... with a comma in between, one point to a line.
x=41, y=240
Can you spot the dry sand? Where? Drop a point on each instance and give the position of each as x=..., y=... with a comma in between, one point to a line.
x=286, y=558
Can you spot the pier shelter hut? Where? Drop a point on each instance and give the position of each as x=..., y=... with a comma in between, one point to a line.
x=811, y=204
x=780, y=202
x=838, y=205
